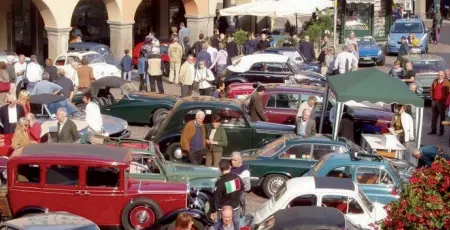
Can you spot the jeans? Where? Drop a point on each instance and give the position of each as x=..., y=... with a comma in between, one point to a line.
x=196, y=157
x=174, y=72
x=159, y=83
x=437, y=34
x=127, y=75
x=219, y=70
x=186, y=90
x=438, y=109
x=142, y=85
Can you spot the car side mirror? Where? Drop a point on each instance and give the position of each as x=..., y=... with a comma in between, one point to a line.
x=53, y=116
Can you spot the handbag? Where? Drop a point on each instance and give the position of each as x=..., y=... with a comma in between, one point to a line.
x=5, y=87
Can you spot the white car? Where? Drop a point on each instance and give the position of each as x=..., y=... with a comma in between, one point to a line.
x=4, y=55
x=96, y=61
x=339, y=193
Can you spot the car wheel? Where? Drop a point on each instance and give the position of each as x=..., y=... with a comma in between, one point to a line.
x=159, y=114
x=141, y=213
x=381, y=63
x=203, y=202
x=271, y=184
x=175, y=153
x=386, y=50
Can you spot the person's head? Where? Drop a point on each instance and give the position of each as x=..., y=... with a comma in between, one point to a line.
x=10, y=59
x=224, y=166
x=11, y=99
x=409, y=66
x=216, y=121
x=190, y=59
x=403, y=39
x=148, y=39
x=61, y=72
x=87, y=97
x=23, y=124
x=220, y=85
x=397, y=64
x=184, y=221
x=260, y=89
x=204, y=46
x=230, y=37
x=45, y=76
x=312, y=100
x=201, y=37
x=48, y=62
x=155, y=50
x=222, y=36
x=344, y=48
x=447, y=73
x=221, y=46
x=441, y=75
x=413, y=87
x=351, y=35
x=186, y=39
x=2, y=65
x=416, y=153
x=400, y=108
x=174, y=29
x=330, y=50
x=227, y=215
x=33, y=58
x=181, y=25
x=305, y=114
x=200, y=117
x=84, y=61
x=21, y=58
x=236, y=159
x=61, y=114
x=175, y=39
x=306, y=38
x=263, y=37
x=127, y=51
x=24, y=96
x=351, y=48
x=325, y=38
x=201, y=64
x=216, y=32
x=412, y=36
x=31, y=118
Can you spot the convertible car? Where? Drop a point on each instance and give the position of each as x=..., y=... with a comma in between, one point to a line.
x=133, y=106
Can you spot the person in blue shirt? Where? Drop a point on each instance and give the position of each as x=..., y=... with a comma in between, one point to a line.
x=142, y=71
x=127, y=65
x=427, y=154
x=44, y=86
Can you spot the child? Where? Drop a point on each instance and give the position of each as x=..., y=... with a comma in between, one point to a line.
x=397, y=71
x=142, y=71
x=127, y=65
x=404, y=48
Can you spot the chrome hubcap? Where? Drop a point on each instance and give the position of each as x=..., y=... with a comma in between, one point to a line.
x=275, y=184
x=142, y=217
x=178, y=154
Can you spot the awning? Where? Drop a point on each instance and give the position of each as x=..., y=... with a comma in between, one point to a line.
x=361, y=1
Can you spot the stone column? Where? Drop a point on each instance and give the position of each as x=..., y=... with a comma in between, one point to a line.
x=58, y=41
x=121, y=37
x=199, y=24
x=164, y=19
x=4, y=30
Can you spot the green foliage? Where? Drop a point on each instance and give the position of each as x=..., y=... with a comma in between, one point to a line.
x=317, y=25
x=240, y=36
x=289, y=28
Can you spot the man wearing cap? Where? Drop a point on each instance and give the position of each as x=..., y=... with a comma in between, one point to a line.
x=403, y=50
x=256, y=108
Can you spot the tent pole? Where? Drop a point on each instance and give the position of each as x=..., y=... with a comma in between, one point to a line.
x=337, y=120
x=324, y=107
x=335, y=22
x=416, y=124
x=419, y=134
x=296, y=24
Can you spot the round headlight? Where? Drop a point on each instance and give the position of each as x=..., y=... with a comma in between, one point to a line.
x=380, y=52
x=419, y=90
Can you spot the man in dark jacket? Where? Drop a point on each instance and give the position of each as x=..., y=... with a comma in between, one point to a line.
x=347, y=127
x=9, y=119
x=232, y=49
x=307, y=49
x=404, y=48
x=227, y=192
x=226, y=220
x=256, y=108
x=197, y=47
x=51, y=69
x=250, y=45
x=264, y=43
x=426, y=155
x=67, y=129
x=204, y=56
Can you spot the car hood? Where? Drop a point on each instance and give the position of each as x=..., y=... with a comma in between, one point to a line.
x=181, y=171
x=105, y=69
x=111, y=124
x=153, y=96
x=261, y=125
x=309, y=66
x=425, y=77
x=396, y=37
x=368, y=50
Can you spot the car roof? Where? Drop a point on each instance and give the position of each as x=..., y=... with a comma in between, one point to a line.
x=339, y=159
x=81, y=52
x=406, y=20
x=211, y=101
x=79, y=152
x=49, y=221
x=423, y=57
x=247, y=61
x=315, y=139
x=321, y=183
x=46, y=98
x=86, y=45
x=311, y=216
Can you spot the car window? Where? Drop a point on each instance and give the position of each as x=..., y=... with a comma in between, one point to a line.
x=342, y=203
x=28, y=173
x=277, y=67
x=259, y=66
x=61, y=60
x=340, y=172
x=320, y=151
x=62, y=175
x=283, y=101
x=304, y=200
x=294, y=55
x=319, y=101
x=190, y=115
x=71, y=59
x=232, y=118
x=297, y=152
x=373, y=176
x=102, y=176
x=429, y=65
x=267, y=224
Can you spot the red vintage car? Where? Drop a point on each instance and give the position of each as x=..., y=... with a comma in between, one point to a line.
x=281, y=102
x=90, y=181
x=163, y=50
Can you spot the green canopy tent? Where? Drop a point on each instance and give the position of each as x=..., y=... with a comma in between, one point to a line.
x=371, y=85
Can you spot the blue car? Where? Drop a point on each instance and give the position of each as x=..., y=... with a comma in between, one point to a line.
x=370, y=52
x=375, y=175
x=402, y=28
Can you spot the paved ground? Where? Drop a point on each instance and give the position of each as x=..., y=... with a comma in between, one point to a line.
x=254, y=201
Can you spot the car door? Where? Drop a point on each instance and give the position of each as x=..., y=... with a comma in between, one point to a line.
x=282, y=108
x=376, y=182
x=239, y=132
x=294, y=160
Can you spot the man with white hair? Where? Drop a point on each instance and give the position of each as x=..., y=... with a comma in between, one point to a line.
x=33, y=72
x=156, y=69
x=193, y=139
x=10, y=114
x=10, y=68
x=20, y=68
x=345, y=61
x=67, y=129
x=426, y=155
x=238, y=168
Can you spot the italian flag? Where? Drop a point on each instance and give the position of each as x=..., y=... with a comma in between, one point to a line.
x=233, y=185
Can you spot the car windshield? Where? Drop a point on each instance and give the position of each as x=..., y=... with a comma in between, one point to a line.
x=424, y=65
x=272, y=148
x=394, y=172
x=294, y=66
x=365, y=200
x=281, y=191
x=94, y=58
x=409, y=27
x=103, y=51
x=71, y=109
x=267, y=224
x=367, y=42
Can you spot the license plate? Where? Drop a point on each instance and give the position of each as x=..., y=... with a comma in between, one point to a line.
x=367, y=58
x=287, y=81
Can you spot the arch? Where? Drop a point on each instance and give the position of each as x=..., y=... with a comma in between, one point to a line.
x=114, y=10
x=46, y=13
x=191, y=7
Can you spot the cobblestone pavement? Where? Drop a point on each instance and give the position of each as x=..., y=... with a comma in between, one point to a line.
x=254, y=201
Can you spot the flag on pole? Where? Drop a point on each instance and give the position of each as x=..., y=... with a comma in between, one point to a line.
x=233, y=185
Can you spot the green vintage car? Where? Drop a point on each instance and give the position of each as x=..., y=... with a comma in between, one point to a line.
x=149, y=163
x=290, y=156
x=133, y=106
x=242, y=133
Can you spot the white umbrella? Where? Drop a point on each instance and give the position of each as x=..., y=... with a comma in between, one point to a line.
x=246, y=9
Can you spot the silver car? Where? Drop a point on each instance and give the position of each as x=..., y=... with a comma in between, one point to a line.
x=49, y=221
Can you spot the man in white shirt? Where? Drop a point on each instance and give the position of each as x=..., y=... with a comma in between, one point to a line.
x=212, y=51
x=308, y=104
x=33, y=72
x=345, y=61
x=20, y=68
x=71, y=73
x=93, y=115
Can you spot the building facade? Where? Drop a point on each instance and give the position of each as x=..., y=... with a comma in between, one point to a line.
x=45, y=25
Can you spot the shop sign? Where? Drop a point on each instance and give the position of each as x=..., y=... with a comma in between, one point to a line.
x=408, y=5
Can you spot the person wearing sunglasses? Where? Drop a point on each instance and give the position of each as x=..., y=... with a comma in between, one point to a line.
x=10, y=114
x=21, y=138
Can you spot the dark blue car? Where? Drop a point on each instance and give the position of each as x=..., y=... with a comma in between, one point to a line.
x=370, y=52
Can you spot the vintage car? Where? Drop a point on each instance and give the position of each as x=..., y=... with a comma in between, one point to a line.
x=4, y=55
x=51, y=220
x=402, y=28
x=375, y=175
x=102, y=49
x=96, y=61
x=149, y=163
x=370, y=52
x=290, y=156
x=281, y=102
x=163, y=50
x=340, y=193
x=268, y=68
x=242, y=133
x=307, y=217
x=44, y=106
x=426, y=67
x=133, y=106
x=83, y=180
x=296, y=56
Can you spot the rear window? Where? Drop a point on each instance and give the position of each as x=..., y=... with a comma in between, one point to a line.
x=28, y=173
x=423, y=65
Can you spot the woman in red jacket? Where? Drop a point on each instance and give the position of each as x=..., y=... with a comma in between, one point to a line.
x=35, y=130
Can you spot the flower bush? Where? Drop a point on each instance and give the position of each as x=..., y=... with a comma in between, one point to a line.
x=424, y=202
